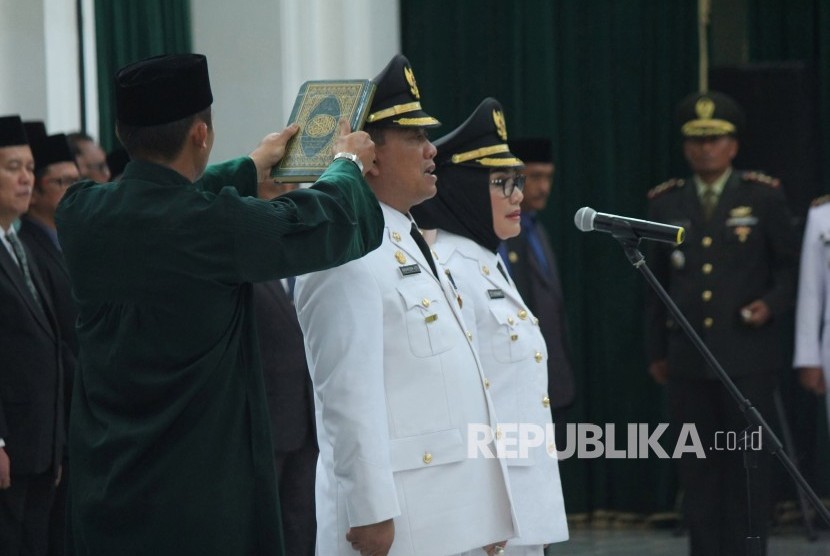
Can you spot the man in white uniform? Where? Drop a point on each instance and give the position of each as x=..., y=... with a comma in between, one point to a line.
x=396, y=378
x=812, y=342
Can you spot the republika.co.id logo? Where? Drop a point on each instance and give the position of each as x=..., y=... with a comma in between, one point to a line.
x=590, y=441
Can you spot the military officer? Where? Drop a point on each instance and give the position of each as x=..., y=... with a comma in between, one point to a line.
x=478, y=205
x=397, y=381
x=812, y=343
x=732, y=278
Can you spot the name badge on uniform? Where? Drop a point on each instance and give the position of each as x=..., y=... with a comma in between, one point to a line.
x=495, y=294
x=409, y=270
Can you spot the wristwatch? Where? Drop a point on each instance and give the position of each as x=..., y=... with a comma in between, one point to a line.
x=350, y=156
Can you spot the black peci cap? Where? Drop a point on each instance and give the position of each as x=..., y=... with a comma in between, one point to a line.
x=35, y=132
x=397, y=100
x=162, y=89
x=532, y=149
x=51, y=150
x=709, y=114
x=481, y=141
x=12, y=132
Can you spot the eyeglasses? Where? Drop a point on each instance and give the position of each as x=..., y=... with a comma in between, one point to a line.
x=64, y=181
x=508, y=185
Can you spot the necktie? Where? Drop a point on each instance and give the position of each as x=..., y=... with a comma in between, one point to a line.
x=503, y=273
x=708, y=202
x=535, y=243
x=422, y=245
x=20, y=253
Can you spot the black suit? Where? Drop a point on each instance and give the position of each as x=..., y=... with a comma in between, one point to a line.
x=542, y=291
x=291, y=408
x=746, y=251
x=56, y=278
x=31, y=407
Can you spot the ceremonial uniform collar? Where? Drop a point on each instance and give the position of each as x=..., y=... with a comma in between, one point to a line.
x=717, y=186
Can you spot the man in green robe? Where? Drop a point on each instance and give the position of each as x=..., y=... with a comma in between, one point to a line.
x=169, y=432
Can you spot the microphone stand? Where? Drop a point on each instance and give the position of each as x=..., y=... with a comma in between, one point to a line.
x=630, y=242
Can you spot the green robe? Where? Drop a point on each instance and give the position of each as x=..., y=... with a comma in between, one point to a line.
x=169, y=436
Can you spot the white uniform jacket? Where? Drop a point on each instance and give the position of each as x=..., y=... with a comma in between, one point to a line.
x=812, y=317
x=396, y=383
x=513, y=354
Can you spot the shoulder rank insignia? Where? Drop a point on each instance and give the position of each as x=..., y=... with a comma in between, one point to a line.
x=673, y=183
x=818, y=201
x=759, y=177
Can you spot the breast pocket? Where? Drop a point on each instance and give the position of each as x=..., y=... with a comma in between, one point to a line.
x=429, y=321
x=511, y=341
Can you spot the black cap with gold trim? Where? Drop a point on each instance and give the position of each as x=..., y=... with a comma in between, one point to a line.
x=397, y=100
x=709, y=114
x=480, y=142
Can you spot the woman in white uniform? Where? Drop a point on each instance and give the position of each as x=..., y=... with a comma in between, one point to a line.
x=476, y=207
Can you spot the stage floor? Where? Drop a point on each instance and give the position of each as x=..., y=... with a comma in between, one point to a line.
x=661, y=542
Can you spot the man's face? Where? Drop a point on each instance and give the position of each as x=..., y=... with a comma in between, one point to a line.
x=403, y=170
x=17, y=167
x=92, y=162
x=51, y=187
x=538, y=181
x=709, y=157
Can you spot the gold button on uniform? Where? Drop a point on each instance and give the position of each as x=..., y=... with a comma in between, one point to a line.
x=485, y=270
x=706, y=242
x=400, y=257
x=707, y=295
x=396, y=236
x=514, y=337
x=486, y=384
x=427, y=458
x=707, y=268
x=510, y=321
x=538, y=357
x=708, y=322
x=499, y=434
x=469, y=335
x=546, y=402
x=425, y=302
x=523, y=314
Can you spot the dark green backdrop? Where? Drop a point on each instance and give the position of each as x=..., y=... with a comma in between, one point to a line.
x=127, y=31
x=601, y=78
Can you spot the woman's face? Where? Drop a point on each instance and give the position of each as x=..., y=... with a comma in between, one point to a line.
x=505, y=199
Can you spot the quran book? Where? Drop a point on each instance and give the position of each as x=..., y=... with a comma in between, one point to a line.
x=318, y=108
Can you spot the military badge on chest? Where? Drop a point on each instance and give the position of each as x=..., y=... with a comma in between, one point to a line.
x=741, y=222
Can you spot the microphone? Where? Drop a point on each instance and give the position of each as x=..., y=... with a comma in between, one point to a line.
x=587, y=220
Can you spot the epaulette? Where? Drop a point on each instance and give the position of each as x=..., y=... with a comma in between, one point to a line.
x=759, y=177
x=818, y=201
x=673, y=183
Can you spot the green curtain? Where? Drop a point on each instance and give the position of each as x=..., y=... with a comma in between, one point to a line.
x=127, y=31
x=601, y=78
x=786, y=31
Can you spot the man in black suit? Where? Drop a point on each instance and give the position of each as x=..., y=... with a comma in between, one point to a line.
x=532, y=265
x=732, y=278
x=55, y=171
x=290, y=402
x=31, y=392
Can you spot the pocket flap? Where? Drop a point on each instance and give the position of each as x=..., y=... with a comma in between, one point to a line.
x=427, y=450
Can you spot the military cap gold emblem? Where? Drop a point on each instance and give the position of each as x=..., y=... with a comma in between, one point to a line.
x=501, y=126
x=410, y=78
x=704, y=108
